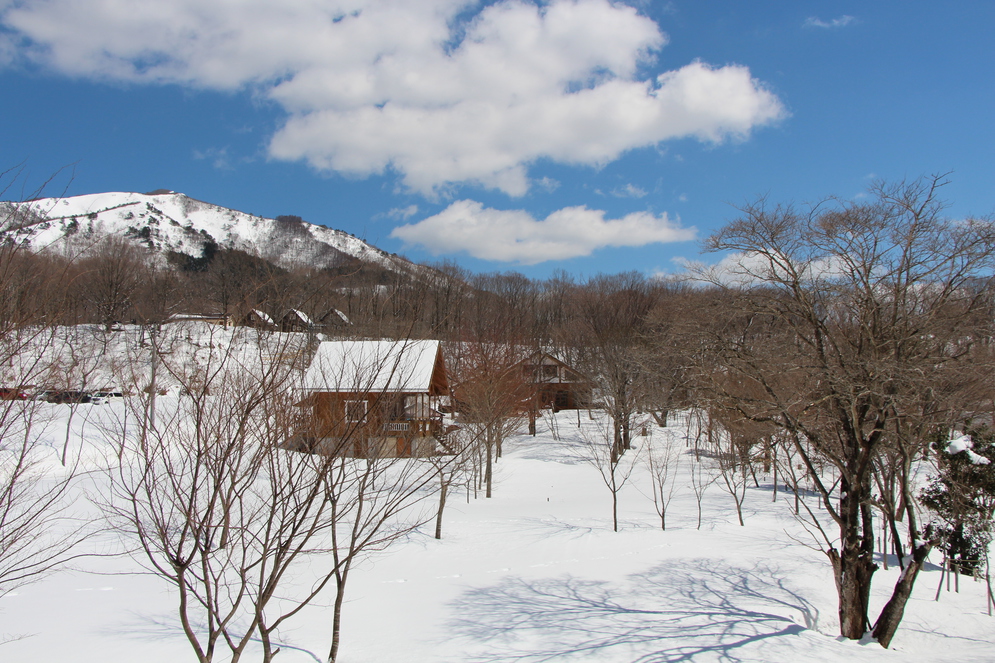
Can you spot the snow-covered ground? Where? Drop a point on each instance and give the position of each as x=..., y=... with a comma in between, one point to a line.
x=533, y=574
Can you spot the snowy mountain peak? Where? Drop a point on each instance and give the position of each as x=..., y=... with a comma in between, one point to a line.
x=164, y=221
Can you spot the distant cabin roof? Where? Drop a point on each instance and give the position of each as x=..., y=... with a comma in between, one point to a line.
x=300, y=315
x=372, y=366
x=262, y=316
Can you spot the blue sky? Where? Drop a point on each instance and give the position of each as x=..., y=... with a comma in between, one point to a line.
x=587, y=136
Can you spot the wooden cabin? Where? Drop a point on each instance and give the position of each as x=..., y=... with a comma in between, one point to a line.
x=296, y=321
x=258, y=320
x=556, y=385
x=334, y=318
x=375, y=398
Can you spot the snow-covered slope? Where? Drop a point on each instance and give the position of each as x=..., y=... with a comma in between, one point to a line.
x=169, y=221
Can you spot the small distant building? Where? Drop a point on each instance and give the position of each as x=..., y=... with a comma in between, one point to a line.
x=296, y=321
x=258, y=319
x=374, y=399
x=334, y=318
x=557, y=385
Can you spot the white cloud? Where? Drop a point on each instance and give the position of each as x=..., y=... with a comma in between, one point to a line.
x=743, y=269
x=629, y=191
x=399, y=213
x=547, y=184
x=218, y=156
x=515, y=236
x=816, y=22
x=411, y=87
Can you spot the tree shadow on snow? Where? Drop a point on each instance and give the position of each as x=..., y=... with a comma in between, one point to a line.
x=678, y=611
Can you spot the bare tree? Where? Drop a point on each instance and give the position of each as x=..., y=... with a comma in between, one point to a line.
x=182, y=489
x=223, y=505
x=611, y=318
x=661, y=460
x=700, y=473
x=39, y=527
x=373, y=483
x=598, y=450
x=492, y=394
x=110, y=278
x=734, y=462
x=372, y=501
x=859, y=318
x=455, y=468
x=74, y=358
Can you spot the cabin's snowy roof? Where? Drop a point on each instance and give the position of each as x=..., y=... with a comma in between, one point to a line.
x=372, y=366
x=263, y=317
x=300, y=315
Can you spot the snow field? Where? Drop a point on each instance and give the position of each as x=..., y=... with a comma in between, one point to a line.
x=533, y=574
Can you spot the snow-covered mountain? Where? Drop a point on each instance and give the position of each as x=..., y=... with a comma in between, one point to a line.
x=168, y=221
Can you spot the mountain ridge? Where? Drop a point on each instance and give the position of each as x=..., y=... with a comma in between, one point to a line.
x=167, y=221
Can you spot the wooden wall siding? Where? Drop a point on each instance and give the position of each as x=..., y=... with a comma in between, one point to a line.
x=387, y=430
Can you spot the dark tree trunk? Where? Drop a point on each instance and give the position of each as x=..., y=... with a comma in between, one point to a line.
x=443, y=489
x=854, y=565
x=340, y=580
x=488, y=469
x=615, y=510
x=891, y=614
x=853, y=576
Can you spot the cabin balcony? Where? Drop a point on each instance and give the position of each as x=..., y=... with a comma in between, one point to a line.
x=413, y=427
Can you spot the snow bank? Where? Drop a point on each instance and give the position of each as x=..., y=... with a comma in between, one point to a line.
x=965, y=444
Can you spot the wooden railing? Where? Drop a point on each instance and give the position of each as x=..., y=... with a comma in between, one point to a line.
x=412, y=427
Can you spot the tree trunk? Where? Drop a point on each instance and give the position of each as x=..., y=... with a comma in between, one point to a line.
x=443, y=489
x=488, y=467
x=340, y=580
x=615, y=511
x=616, y=440
x=853, y=577
x=854, y=565
x=891, y=614
x=69, y=426
x=614, y=489
x=269, y=653
x=774, y=466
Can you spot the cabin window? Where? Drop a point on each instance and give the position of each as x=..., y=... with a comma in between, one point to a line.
x=549, y=371
x=355, y=411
